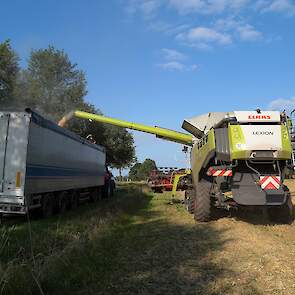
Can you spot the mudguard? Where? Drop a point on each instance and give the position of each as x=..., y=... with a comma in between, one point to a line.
x=246, y=191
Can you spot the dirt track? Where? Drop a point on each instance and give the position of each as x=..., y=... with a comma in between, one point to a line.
x=234, y=256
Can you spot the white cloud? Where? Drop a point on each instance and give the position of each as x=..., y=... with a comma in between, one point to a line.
x=207, y=35
x=226, y=24
x=159, y=26
x=167, y=28
x=172, y=66
x=238, y=4
x=193, y=67
x=206, y=6
x=174, y=61
x=172, y=54
x=261, y=4
x=186, y=6
x=177, y=66
x=249, y=33
x=177, y=29
x=203, y=37
x=147, y=7
x=244, y=31
x=281, y=6
x=282, y=104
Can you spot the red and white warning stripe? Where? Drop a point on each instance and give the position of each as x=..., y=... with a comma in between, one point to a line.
x=270, y=182
x=220, y=172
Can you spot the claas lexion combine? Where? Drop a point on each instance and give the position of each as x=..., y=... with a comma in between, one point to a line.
x=238, y=159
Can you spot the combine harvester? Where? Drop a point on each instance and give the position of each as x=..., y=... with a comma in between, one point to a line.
x=238, y=159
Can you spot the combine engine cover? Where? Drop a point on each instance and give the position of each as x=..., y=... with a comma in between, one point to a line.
x=260, y=143
x=258, y=132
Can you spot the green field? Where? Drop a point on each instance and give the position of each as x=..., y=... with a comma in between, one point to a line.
x=139, y=243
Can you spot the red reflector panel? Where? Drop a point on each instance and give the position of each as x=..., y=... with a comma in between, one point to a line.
x=270, y=182
x=223, y=172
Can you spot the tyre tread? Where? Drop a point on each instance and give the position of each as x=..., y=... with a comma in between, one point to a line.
x=202, y=210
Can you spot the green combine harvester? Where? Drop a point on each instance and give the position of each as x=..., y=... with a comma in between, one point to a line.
x=238, y=159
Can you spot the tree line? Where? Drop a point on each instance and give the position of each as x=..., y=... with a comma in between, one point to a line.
x=53, y=86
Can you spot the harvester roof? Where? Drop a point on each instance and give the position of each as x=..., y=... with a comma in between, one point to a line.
x=200, y=125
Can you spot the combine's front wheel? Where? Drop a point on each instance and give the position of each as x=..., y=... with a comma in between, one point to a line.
x=283, y=213
x=202, y=211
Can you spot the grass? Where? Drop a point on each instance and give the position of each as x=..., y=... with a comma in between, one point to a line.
x=138, y=243
x=66, y=252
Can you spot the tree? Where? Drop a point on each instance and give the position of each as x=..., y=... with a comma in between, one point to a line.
x=120, y=148
x=146, y=168
x=142, y=171
x=134, y=171
x=8, y=73
x=51, y=84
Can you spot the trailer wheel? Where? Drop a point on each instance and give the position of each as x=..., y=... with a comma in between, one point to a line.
x=47, y=205
x=62, y=202
x=74, y=200
x=202, y=210
x=190, y=200
x=112, y=188
x=283, y=213
x=94, y=195
x=106, y=190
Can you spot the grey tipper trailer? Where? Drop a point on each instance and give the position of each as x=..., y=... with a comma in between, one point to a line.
x=45, y=166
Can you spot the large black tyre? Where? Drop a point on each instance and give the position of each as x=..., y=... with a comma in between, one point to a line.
x=190, y=200
x=47, y=205
x=106, y=192
x=202, y=211
x=74, y=199
x=94, y=195
x=62, y=202
x=112, y=188
x=283, y=213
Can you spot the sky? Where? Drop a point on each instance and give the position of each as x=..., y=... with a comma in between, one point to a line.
x=157, y=62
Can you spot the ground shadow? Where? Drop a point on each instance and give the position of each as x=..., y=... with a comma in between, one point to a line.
x=256, y=216
x=21, y=234
x=142, y=254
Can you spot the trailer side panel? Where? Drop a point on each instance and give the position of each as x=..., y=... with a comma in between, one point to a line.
x=58, y=162
x=38, y=157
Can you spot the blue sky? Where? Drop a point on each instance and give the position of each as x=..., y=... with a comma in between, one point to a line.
x=160, y=61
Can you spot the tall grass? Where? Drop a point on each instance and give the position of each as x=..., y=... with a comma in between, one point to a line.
x=38, y=256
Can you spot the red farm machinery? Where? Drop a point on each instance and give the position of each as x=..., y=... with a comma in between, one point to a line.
x=168, y=179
